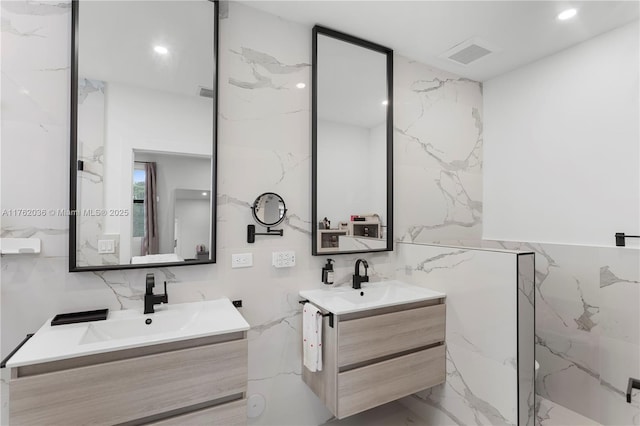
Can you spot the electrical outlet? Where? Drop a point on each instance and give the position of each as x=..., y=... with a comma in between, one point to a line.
x=242, y=260
x=106, y=246
x=283, y=259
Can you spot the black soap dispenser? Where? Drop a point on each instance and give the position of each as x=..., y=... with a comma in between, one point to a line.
x=327, y=273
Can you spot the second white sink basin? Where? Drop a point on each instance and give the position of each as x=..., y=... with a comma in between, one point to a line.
x=345, y=300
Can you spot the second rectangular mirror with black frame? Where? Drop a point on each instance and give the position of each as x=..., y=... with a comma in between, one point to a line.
x=352, y=144
x=143, y=134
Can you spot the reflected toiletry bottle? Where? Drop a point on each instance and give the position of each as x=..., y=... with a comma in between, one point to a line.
x=327, y=272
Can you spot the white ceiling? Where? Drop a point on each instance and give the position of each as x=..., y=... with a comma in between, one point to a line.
x=117, y=38
x=352, y=83
x=524, y=31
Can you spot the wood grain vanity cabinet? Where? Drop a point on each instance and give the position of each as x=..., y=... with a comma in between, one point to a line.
x=380, y=355
x=197, y=381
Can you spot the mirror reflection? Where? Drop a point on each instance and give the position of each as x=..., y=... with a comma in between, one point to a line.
x=144, y=145
x=269, y=209
x=174, y=232
x=191, y=221
x=352, y=138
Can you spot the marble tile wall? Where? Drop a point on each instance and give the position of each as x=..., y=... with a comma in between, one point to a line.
x=588, y=328
x=619, y=348
x=551, y=414
x=264, y=145
x=587, y=304
x=586, y=298
x=567, y=326
x=484, y=321
x=438, y=166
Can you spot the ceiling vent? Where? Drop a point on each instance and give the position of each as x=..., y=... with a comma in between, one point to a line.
x=469, y=51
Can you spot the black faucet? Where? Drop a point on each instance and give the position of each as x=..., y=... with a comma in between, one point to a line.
x=151, y=299
x=357, y=279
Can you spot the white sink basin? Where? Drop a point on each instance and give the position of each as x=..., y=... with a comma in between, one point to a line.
x=129, y=329
x=345, y=300
x=168, y=321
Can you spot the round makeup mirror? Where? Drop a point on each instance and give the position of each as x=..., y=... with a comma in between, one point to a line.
x=269, y=209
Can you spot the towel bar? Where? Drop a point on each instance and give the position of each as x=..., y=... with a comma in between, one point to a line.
x=620, y=236
x=330, y=315
x=3, y=364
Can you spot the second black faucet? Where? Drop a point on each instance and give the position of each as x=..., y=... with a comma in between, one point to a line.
x=357, y=279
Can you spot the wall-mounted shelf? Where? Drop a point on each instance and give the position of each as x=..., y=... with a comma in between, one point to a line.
x=328, y=239
x=19, y=245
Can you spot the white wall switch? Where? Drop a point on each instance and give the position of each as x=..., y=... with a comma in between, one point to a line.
x=106, y=246
x=283, y=259
x=242, y=260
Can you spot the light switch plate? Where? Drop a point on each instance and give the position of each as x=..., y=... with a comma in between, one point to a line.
x=242, y=260
x=106, y=246
x=283, y=259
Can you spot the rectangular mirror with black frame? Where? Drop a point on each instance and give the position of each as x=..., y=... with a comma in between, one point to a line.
x=352, y=145
x=143, y=134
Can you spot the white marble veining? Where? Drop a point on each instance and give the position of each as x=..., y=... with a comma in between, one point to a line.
x=438, y=164
x=264, y=145
x=127, y=329
x=583, y=342
x=266, y=130
x=373, y=295
x=587, y=327
x=482, y=289
x=549, y=413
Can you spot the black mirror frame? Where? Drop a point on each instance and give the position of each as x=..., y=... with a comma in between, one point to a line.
x=73, y=165
x=317, y=29
x=255, y=203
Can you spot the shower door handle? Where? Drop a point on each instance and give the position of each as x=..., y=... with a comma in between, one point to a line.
x=633, y=384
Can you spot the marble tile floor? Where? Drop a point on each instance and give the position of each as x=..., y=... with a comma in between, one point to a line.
x=551, y=414
x=391, y=414
x=395, y=414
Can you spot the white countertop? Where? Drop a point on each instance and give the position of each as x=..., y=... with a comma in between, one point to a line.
x=345, y=300
x=127, y=329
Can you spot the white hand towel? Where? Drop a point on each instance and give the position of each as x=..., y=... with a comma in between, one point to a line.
x=312, y=337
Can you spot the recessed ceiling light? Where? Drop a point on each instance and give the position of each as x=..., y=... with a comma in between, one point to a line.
x=204, y=194
x=567, y=14
x=385, y=102
x=161, y=50
x=301, y=85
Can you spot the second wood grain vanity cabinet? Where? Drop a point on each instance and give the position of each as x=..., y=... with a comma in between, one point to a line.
x=380, y=355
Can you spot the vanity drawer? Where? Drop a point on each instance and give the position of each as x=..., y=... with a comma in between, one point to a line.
x=377, y=336
x=367, y=387
x=230, y=414
x=130, y=389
